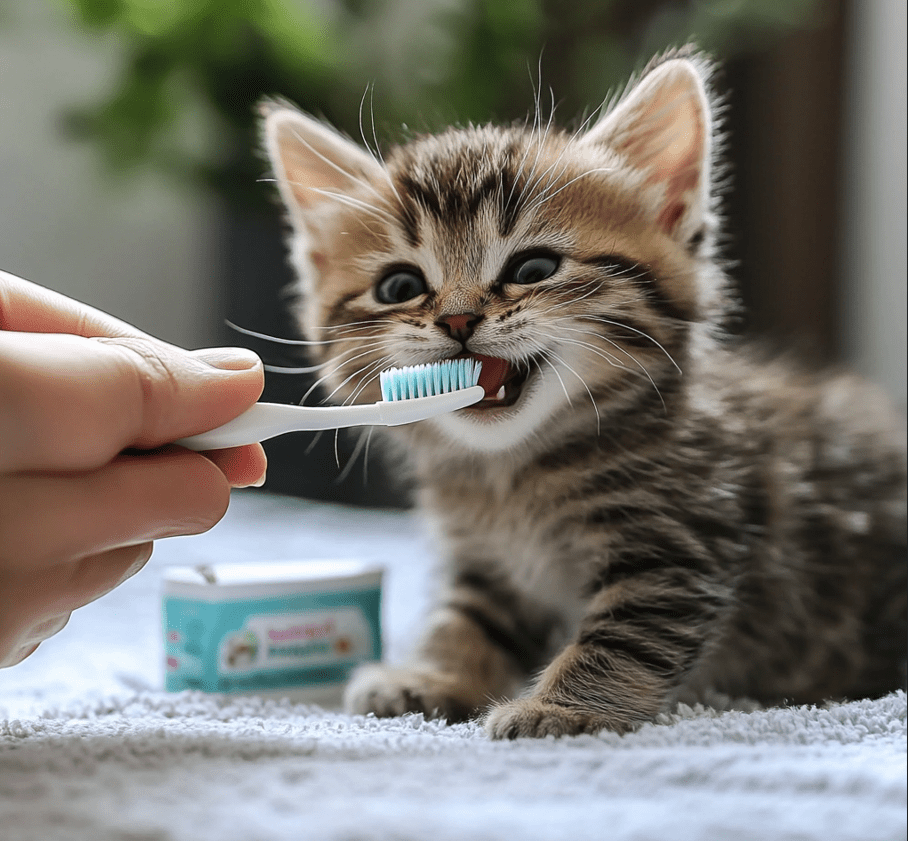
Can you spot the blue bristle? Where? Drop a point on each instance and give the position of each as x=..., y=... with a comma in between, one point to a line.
x=426, y=380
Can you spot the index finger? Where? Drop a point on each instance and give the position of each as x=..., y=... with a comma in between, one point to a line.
x=27, y=307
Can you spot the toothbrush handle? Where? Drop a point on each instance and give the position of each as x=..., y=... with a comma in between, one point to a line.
x=266, y=420
x=258, y=423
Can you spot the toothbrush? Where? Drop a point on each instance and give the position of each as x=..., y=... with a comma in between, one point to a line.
x=409, y=394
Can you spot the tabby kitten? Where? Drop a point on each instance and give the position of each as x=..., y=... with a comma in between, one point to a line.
x=638, y=510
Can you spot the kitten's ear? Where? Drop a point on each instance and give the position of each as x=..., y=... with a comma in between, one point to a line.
x=663, y=128
x=312, y=161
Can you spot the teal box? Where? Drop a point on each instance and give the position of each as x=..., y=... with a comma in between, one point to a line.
x=294, y=629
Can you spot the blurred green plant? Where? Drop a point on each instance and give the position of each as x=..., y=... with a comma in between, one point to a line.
x=193, y=70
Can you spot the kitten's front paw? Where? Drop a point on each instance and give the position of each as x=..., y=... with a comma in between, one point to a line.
x=529, y=717
x=387, y=691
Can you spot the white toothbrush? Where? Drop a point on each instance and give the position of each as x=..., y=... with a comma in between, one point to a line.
x=409, y=394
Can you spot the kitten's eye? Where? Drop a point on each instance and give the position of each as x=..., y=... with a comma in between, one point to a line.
x=532, y=268
x=399, y=286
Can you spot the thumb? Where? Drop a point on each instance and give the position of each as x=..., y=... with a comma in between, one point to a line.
x=73, y=403
x=182, y=392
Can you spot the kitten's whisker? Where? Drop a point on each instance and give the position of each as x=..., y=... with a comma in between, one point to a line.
x=552, y=177
x=370, y=377
x=339, y=363
x=362, y=347
x=551, y=365
x=313, y=442
x=357, y=449
x=343, y=382
x=343, y=198
x=277, y=339
x=633, y=330
x=347, y=326
x=518, y=175
x=374, y=370
x=567, y=147
x=547, y=198
x=612, y=360
x=539, y=147
x=384, y=168
x=351, y=176
x=606, y=356
x=369, y=366
x=311, y=369
x=344, y=325
x=537, y=93
x=376, y=152
x=537, y=198
x=582, y=127
x=563, y=296
x=642, y=368
x=371, y=429
x=530, y=178
x=537, y=120
x=362, y=131
x=561, y=361
x=569, y=300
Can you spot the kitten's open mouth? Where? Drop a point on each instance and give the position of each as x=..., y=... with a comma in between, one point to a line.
x=502, y=380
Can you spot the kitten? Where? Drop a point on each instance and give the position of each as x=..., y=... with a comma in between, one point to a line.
x=638, y=510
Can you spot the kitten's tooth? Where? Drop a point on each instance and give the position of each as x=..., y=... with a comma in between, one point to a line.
x=500, y=394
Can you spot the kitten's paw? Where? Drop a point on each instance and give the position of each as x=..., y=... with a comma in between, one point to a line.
x=387, y=691
x=529, y=717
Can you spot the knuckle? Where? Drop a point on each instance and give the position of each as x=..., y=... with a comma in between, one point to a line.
x=155, y=378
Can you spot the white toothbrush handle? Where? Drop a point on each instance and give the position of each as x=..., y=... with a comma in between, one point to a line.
x=266, y=420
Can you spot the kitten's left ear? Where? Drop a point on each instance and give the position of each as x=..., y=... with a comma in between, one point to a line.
x=663, y=128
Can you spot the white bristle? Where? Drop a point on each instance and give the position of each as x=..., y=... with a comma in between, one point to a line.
x=427, y=380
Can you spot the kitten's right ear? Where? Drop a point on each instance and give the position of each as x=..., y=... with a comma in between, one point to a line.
x=311, y=162
x=663, y=127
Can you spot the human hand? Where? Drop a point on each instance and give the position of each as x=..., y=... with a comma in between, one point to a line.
x=88, y=477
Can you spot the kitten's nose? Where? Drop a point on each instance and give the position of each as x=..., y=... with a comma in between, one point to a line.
x=460, y=326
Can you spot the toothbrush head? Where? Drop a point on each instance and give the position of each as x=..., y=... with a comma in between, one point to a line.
x=428, y=380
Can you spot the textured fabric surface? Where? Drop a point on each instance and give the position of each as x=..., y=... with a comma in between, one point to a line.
x=91, y=748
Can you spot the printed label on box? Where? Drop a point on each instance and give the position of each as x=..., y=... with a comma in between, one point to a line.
x=292, y=641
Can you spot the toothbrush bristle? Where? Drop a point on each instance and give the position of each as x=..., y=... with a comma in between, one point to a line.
x=427, y=380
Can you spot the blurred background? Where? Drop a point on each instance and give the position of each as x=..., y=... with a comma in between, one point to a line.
x=129, y=176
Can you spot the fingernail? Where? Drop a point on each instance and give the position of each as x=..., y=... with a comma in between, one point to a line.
x=256, y=484
x=228, y=358
x=144, y=554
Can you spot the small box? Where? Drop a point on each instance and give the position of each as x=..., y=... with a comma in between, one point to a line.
x=290, y=629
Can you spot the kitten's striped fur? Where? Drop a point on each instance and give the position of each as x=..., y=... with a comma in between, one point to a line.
x=658, y=513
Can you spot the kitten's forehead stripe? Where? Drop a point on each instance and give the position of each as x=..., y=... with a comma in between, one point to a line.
x=409, y=217
x=458, y=174
x=446, y=204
